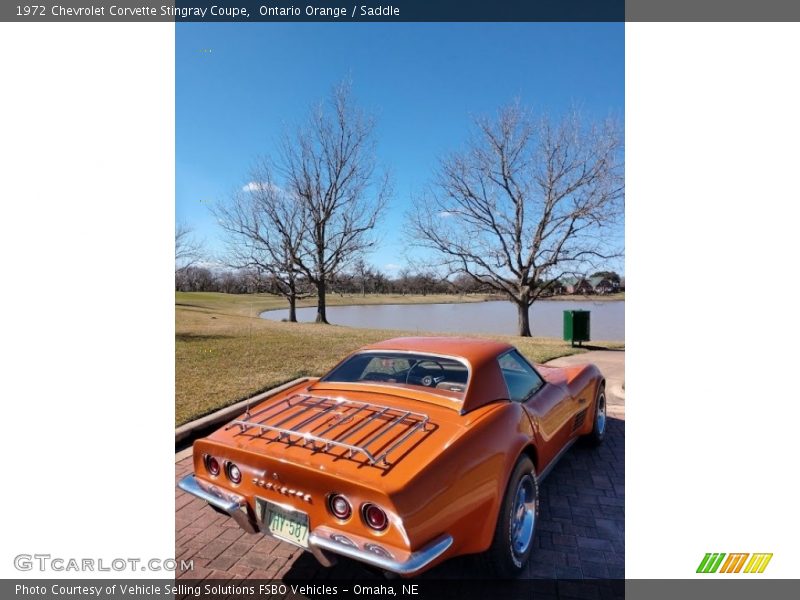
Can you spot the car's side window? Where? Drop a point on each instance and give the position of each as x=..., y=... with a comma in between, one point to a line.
x=522, y=381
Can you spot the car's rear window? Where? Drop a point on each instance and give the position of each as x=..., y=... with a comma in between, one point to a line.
x=405, y=369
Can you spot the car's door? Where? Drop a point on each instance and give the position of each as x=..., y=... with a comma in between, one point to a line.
x=548, y=404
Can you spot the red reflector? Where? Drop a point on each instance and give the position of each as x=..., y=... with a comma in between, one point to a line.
x=212, y=465
x=375, y=517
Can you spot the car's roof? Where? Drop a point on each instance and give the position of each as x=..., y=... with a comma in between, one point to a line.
x=485, y=383
x=474, y=350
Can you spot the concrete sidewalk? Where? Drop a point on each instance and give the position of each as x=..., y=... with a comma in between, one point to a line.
x=612, y=365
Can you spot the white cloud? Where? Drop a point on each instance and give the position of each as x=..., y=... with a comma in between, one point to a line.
x=392, y=267
x=254, y=186
x=446, y=214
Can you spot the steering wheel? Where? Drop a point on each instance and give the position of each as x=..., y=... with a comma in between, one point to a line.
x=427, y=380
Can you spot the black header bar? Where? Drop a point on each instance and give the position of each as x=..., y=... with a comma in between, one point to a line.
x=244, y=11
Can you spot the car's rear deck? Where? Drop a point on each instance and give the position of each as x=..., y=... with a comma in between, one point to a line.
x=345, y=428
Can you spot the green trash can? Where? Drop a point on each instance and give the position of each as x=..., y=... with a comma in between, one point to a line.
x=576, y=326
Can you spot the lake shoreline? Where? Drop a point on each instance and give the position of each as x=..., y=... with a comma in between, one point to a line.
x=406, y=299
x=225, y=353
x=488, y=317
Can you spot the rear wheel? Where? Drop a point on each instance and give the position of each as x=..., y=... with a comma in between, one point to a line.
x=516, y=523
x=598, y=433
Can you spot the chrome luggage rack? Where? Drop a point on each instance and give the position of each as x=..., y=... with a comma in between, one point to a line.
x=316, y=416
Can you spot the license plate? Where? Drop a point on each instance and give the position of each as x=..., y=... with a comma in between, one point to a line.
x=285, y=523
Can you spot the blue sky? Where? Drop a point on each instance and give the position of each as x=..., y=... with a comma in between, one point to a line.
x=238, y=86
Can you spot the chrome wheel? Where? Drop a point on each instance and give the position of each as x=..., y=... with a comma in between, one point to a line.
x=523, y=517
x=512, y=541
x=600, y=419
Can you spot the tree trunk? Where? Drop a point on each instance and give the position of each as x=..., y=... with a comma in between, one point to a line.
x=322, y=316
x=292, y=307
x=523, y=318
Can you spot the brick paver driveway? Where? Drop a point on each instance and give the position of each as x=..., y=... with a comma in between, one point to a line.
x=580, y=533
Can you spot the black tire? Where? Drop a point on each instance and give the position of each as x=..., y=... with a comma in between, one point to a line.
x=506, y=557
x=600, y=418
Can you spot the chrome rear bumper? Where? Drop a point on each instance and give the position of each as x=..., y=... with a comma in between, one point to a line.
x=320, y=544
x=232, y=504
x=414, y=563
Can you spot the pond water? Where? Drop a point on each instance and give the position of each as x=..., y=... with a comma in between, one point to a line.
x=500, y=317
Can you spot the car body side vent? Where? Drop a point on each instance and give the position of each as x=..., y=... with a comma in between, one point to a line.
x=579, y=419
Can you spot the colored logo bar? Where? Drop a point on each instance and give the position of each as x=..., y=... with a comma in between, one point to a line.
x=714, y=562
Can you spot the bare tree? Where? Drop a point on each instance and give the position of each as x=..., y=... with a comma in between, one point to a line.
x=265, y=229
x=362, y=274
x=195, y=279
x=188, y=250
x=526, y=202
x=329, y=166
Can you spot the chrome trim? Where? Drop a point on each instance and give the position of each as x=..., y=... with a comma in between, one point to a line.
x=378, y=550
x=302, y=431
x=414, y=563
x=356, y=427
x=386, y=427
x=343, y=539
x=600, y=413
x=232, y=504
x=307, y=436
x=300, y=412
x=411, y=431
x=321, y=546
x=289, y=405
x=326, y=559
x=523, y=517
x=546, y=471
x=341, y=421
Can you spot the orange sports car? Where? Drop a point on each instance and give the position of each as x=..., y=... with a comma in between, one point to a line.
x=407, y=453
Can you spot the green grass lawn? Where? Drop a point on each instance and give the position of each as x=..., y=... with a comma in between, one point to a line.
x=224, y=352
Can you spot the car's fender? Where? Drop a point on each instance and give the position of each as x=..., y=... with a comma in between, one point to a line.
x=460, y=492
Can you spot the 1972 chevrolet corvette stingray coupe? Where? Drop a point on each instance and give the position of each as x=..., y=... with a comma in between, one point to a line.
x=407, y=453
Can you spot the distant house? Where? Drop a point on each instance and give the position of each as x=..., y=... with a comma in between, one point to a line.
x=603, y=285
x=569, y=284
x=584, y=286
x=589, y=285
x=566, y=284
x=574, y=285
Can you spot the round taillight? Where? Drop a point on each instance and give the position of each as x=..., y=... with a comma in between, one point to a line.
x=212, y=465
x=339, y=506
x=374, y=517
x=233, y=472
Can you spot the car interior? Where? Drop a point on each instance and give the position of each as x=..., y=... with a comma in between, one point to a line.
x=425, y=371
